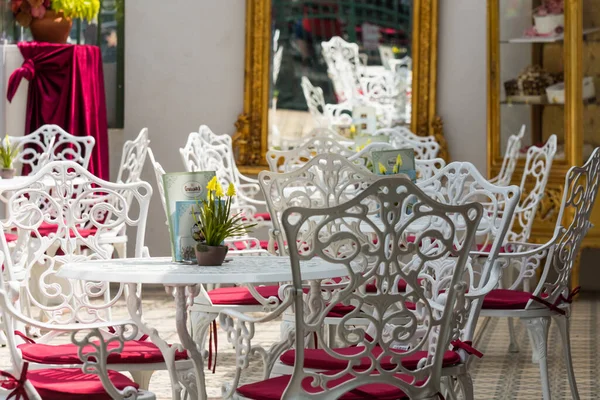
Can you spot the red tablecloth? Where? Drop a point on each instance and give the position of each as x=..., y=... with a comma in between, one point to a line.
x=67, y=89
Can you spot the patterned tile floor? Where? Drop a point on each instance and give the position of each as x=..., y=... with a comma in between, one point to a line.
x=499, y=375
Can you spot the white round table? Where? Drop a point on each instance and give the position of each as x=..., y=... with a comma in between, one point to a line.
x=182, y=281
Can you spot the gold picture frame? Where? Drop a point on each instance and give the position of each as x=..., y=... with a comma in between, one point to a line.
x=250, y=139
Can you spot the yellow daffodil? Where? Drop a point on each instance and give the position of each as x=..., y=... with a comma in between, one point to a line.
x=395, y=50
x=395, y=169
x=399, y=161
x=212, y=184
x=219, y=190
x=352, y=129
x=368, y=141
x=231, y=190
x=382, y=169
x=359, y=148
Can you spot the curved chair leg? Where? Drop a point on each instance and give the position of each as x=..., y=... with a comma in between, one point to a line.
x=466, y=385
x=538, y=329
x=142, y=378
x=513, y=347
x=563, y=327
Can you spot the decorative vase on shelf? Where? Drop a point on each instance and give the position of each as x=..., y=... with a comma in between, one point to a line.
x=7, y=173
x=53, y=28
x=549, y=24
x=210, y=256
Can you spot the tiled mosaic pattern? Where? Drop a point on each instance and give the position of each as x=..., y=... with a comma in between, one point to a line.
x=499, y=375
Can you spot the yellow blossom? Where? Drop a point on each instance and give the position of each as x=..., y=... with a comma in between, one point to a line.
x=395, y=50
x=359, y=148
x=219, y=190
x=352, y=129
x=395, y=169
x=231, y=190
x=399, y=161
x=212, y=184
x=382, y=169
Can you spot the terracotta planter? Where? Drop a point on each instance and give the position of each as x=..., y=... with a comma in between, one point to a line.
x=53, y=28
x=210, y=256
x=7, y=173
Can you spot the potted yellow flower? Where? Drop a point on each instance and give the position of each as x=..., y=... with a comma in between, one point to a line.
x=8, y=153
x=214, y=224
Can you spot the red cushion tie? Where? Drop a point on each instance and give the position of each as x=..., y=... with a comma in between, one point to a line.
x=16, y=385
x=212, y=334
x=112, y=330
x=560, y=300
x=24, y=337
x=467, y=346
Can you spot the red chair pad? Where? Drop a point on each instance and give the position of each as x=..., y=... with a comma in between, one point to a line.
x=46, y=229
x=264, y=216
x=10, y=237
x=318, y=359
x=240, y=295
x=134, y=352
x=272, y=389
x=72, y=384
x=505, y=299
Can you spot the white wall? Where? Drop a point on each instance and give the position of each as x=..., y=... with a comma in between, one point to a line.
x=184, y=66
x=462, y=79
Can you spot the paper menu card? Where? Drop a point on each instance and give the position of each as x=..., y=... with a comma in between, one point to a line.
x=398, y=161
x=185, y=187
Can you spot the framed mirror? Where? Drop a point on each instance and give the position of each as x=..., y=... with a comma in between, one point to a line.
x=290, y=82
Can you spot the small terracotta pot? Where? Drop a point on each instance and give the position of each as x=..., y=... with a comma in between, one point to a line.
x=7, y=173
x=53, y=28
x=210, y=256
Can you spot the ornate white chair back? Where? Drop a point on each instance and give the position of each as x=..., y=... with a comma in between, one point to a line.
x=533, y=185
x=54, y=141
x=324, y=181
x=426, y=148
x=133, y=158
x=343, y=65
x=432, y=264
x=573, y=223
x=83, y=210
x=314, y=100
x=158, y=174
x=511, y=156
x=286, y=161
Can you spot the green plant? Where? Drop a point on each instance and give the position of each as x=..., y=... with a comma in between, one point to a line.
x=82, y=9
x=213, y=217
x=8, y=153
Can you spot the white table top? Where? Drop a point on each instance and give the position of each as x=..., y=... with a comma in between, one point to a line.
x=161, y=270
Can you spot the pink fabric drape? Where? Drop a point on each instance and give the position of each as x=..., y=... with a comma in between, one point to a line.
x=66, y=88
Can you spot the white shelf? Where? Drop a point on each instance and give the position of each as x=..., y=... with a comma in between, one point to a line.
x=548, y=39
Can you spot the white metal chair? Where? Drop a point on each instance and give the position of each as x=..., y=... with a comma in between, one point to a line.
x=86, y=212
x=509, y=163
x=52, y=140
x=460, y=183
x=343, y=67
x=315, y=101
x=551, y=298
x=206, y=151
x=385, y=370
x=95, y=381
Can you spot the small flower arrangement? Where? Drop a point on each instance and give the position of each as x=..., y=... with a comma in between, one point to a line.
x=215, y=223
x=8, y=154
x=550, y=7
x=26, y=11
x=395, y=169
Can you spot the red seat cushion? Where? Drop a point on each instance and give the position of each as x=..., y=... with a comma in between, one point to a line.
x=320, y=360
x=272, y=389
x=264, y=216
x=72, y=384
x=46, y=229
x=240, y=295
x=10, y=237
x=505, y=299
x=134, y=352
